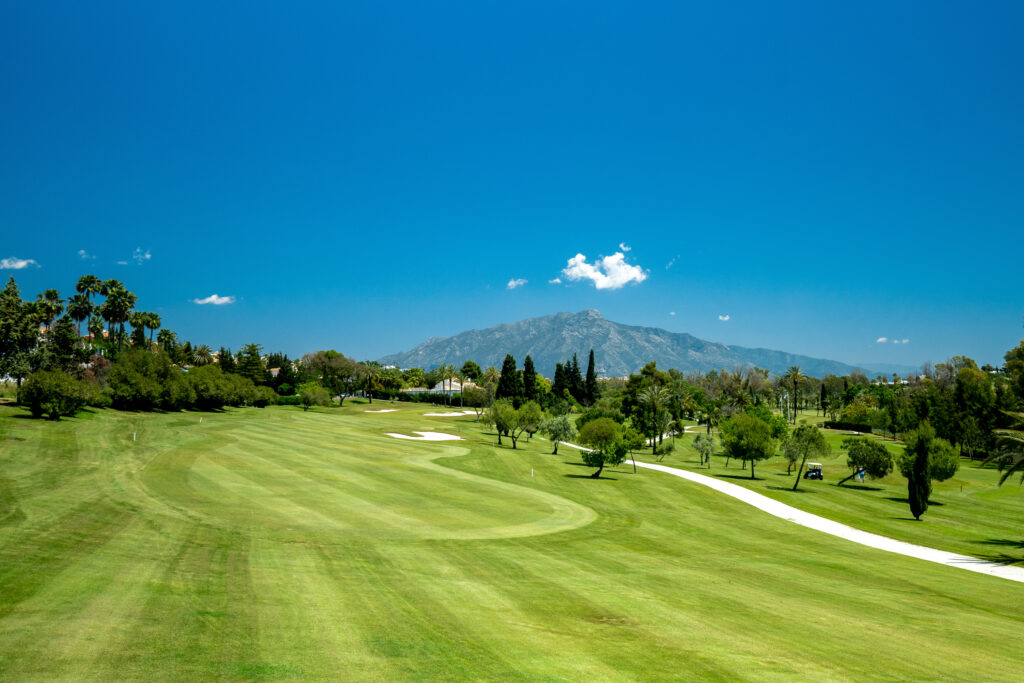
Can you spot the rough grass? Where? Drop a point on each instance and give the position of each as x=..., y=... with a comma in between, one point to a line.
x=275, y=544
x=969, y=514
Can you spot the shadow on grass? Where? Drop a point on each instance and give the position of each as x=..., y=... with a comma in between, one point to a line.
x=575, y=464
x=738, y=476
x=907, y=501
x=790, y=489
x=1003, y=558
x=587, y=476
x=862, y=487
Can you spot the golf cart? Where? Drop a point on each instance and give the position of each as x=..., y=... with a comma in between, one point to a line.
x=813, y=471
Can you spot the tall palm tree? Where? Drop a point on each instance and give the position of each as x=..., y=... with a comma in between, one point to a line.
x=795, y=377
x=446, y=371
x=201, y=355
x=153, y=322
x=90, y=286
x=165, y=338
x=79, y=309
x=655, y=398
x=49, y=306
x=117, y=309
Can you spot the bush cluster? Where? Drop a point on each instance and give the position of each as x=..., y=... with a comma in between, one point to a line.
x=141, y=380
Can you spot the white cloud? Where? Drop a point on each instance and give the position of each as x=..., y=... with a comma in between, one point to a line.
x=610, y=272
x=517, y=282
x=215, y=300
x=881, y=340
x=556, y=281
x=905, y=341
x=672, y=313
x=723, y=318
x=82, y=253
x=900, y=341
x=122, y=263
x=672, y=262
x=623, y=247
x=141, y=256
x=17, y=263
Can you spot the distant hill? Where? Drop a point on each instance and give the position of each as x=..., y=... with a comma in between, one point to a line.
x=619, y=349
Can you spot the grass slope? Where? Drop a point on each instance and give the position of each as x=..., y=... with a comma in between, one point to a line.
x=968, y=514
x=277, y=544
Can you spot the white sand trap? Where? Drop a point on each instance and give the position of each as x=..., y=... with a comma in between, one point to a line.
x=791, y=514
x=427, y=436
x=386, y=410
x=457, y=413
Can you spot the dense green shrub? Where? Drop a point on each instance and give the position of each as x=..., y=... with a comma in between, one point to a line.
x=55, y=394
x=312, y=394
x=265, y=396
x=141, y=380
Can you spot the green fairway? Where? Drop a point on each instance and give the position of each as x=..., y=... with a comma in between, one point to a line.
x=277, y=544
x=969, y=514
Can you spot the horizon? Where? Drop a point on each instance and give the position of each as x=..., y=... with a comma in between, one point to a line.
x=834, y=182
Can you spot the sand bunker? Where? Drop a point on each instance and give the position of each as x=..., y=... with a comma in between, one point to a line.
x=457, y=413
x=386, y=410
x=427, y=436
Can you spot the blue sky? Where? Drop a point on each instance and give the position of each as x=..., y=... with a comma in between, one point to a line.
x=361, y=176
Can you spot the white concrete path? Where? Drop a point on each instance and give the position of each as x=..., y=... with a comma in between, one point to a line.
x=791, y=514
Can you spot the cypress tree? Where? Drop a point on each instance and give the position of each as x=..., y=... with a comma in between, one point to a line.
x=591, y=384
x=510, y=384
x=559, y=385
x=576, y=380
x=529, y=380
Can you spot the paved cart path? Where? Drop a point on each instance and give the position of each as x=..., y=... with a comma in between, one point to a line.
x=828, y=526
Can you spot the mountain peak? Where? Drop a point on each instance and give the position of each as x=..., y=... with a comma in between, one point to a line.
x=618, y=349
x=591, y=313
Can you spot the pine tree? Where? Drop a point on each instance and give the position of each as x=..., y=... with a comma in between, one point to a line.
x=529, y=380
x=225, y=360
x=510, y=385
x=590, y=388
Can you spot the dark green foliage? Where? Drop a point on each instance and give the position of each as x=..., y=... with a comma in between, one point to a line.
x=529, y=380
x=55, y=394
x=1014, y=369
x=471, y=371
x=136, y=381
x=870, y=455
x=805, y=442
x=777, y=423
x=265, y=396
x=251, y=365
x=225, y=360
x=603, y=436
x=510, y=384
x=599, y=410
x=576, y=385
x=312, y=394
x=747, y=438
x=590, y=389
x=925, y=457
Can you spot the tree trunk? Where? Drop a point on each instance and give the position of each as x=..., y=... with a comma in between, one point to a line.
x=597, y=475
x=847, y=479
x=798, y=472
x=751, y=469
x=555, y=452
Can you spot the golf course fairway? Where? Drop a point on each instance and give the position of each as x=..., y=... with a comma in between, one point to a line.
x=277, y=544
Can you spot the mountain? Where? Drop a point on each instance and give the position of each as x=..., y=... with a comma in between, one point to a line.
x=618, y=349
